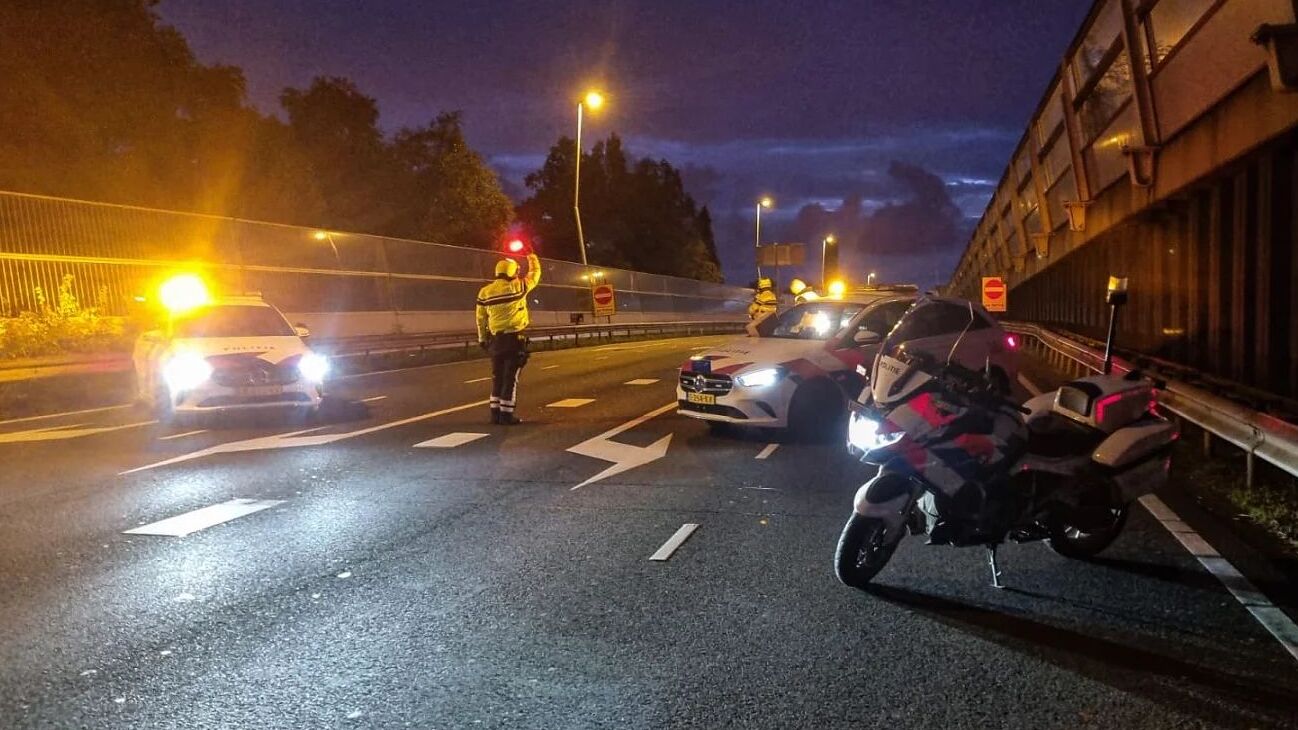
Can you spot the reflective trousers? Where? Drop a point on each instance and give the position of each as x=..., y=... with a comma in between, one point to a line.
x=508, y=356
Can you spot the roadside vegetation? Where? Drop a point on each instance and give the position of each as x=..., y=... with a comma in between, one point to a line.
x=63, y=326
x=1218, y=481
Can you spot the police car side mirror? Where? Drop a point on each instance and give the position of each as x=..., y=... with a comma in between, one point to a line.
x=867, y=337
x=301, y=330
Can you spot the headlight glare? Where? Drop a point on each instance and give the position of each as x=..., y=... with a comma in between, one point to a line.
x=186, y=371
x=863, y=433
x=760, y=378
x=313, y=367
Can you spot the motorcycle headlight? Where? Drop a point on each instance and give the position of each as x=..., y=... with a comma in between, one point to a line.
x=313, y=367
x=760, y=378
x=185, y=371
x=863, y=433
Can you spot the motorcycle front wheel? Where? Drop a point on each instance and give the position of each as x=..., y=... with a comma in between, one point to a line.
x=1071, y=541
x=863, y=549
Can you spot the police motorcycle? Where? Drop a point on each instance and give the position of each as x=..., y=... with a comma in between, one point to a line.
x=964, y=466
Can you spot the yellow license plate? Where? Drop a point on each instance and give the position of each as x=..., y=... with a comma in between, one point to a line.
x=701, y=398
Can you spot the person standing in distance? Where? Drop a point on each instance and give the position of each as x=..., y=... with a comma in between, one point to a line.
x=764, y=301
x=502, y=322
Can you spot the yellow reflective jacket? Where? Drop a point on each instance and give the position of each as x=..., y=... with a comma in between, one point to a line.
x=502, y=304
x=764, y=302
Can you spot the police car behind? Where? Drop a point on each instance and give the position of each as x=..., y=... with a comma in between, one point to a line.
x=798, y=368
x=234, y=353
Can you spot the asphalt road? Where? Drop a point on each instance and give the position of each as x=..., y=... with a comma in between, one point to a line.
x=378, y=582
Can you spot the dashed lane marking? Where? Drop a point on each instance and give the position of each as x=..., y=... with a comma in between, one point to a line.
x=674, y=542
x=1272, y=618
x=297, y=439
x=478, y=380
x=571, y=403
x=66, y=413
x=374, y=398
x=767, y=451
x=1028, y=385
x=641, y=381
x=450, y=440
x=549, y=367
x=201, y=519
x=60, y=433
x=182, y=435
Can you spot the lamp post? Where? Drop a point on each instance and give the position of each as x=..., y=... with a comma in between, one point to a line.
x=763, y=203
x=869, y=279
x=829, y=240
x=594, y=100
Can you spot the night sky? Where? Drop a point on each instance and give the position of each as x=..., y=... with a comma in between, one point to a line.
x=887, y=123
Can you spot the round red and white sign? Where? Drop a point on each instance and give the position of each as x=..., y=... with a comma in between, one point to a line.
x=603, y=294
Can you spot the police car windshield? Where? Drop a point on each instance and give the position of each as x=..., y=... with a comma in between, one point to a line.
x=224, y=320
x=810, y=321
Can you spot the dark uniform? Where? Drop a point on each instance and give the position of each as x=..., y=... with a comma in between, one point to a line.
x=502, y=319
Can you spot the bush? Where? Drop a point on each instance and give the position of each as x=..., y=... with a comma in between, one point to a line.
x=65, y=327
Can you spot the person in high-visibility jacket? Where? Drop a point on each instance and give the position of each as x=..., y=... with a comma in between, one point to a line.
x=502, y=321
x=764, y=301
x=801, y=292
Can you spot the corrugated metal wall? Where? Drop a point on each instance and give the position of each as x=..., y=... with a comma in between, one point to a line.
x=1214, y=276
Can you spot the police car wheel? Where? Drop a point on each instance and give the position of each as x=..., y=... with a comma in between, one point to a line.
x=817, y=410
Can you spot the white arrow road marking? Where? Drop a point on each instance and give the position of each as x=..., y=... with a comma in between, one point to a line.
x=201, y=519
x=674, y=542
x=62, y=433
x=770, y=449
x=641, y=381
x=571, y=403
x=623, y=456
x=296, y=439
x=1271, y=616
x=450, y=440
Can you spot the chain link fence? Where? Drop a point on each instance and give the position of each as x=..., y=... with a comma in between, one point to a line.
x=345, y=284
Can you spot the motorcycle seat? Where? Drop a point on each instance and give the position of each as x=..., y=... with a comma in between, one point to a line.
x=1052, y=435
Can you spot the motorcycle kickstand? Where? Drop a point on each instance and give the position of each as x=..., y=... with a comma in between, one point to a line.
x=991, y=562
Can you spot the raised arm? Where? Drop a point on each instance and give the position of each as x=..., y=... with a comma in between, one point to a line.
x=533, y=272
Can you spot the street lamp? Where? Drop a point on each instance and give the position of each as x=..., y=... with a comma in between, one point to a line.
x=829, y=240
x=327, y=236
x=765, y=202
x=869, y=279
x=594, y=100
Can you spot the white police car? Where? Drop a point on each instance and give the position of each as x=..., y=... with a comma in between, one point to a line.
x=228, y=354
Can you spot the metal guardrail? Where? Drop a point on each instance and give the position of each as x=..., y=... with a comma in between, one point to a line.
x=551, y=336
x=1260, y=435
x=413, y=345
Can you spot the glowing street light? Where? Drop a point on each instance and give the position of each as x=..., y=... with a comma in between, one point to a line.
x=869, y=279
x=594, y=100
x=829, y=240
x=765, y=202
x=327, y=236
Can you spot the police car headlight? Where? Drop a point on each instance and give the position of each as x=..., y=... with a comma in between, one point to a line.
x=313, y=367
x=863, y=433
x=760, y=378
x=186, y=371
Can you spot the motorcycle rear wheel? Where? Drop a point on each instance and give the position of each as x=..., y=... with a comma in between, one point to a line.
x=1071, y=542
x=864, y=548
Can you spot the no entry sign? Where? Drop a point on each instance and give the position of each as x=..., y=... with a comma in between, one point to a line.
x=995, y=296
x=605, y=303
